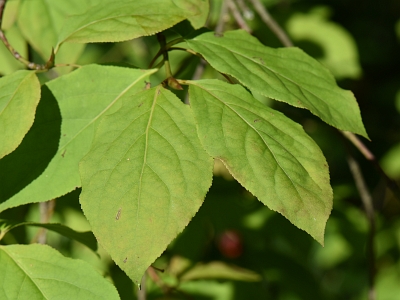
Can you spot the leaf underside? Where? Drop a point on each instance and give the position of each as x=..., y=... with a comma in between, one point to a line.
x=286, y=74
x=269, y=154
x=144, y=178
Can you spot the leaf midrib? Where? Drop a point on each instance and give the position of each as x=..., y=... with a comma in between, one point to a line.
x=157, y=92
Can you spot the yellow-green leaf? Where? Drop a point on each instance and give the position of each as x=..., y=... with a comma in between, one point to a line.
x=19, y=96
x=269, y=154
x=144, y=178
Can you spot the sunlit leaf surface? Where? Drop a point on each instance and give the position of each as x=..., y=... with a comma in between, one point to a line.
x=144, y=178
x=286, y=74
x=45, y=165
x=19, y=96
x=39, y=272
x=269, y=154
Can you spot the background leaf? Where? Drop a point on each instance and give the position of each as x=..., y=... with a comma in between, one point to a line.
x=40, y=171
x=87, y=238
x=339, y=49
x=219, y=270
x=119, y=21
x=286, y=74
x=40, y=272
x=266, y=152
x=40, y=22
x=144, y=178
x=19, y=96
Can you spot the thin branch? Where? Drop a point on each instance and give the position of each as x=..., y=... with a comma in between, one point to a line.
x=219, y=29
x=392, y=185
x=2, y=4
x=30, y=65
x=246, y=11
x=366, y=199
x=271, y=23
x=141, y=293
x=46, y=210
x=237, y=15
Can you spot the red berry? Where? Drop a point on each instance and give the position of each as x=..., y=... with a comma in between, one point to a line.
x=230, y=244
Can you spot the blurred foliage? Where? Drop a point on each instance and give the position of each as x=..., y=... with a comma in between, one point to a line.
x=360, y=42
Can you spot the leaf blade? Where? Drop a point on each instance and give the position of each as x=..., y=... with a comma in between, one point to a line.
x=266, y=152
x=285, y=74
x=19, y=96
x=125, y=20
x=30, y=271
x=142, y=173
x=80, y=99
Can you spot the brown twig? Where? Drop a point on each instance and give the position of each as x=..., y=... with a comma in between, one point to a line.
x=246, y=11
x=46, y=210
x=219, y=29
x=391, y=184
x=141, y=293
x=237, y=15
x=366, y=200
x=30, y=65
x=271, y=23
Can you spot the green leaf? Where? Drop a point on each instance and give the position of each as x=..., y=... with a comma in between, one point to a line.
x=41, y=21
x=219, y=270
x=41, y=272
x=144, y=178
x=269, y=154
x=19, y=96
x=116, y=21
x=45, y=166
x=86, y=238
x=286, y=74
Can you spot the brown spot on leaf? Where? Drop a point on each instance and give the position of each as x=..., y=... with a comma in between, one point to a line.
x=118, y=214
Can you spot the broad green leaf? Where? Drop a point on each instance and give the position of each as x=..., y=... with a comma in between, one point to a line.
x=219, y=270
x=340, y=54
x=144, y=178
x=41, y=21
x=41, y=272
x=286, y=74
x=116, y=21
x=269, y=154
x=19, y=96
x=45, y=166
x=87, y=238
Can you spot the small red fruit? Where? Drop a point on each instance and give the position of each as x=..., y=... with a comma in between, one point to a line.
x=230, y=244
